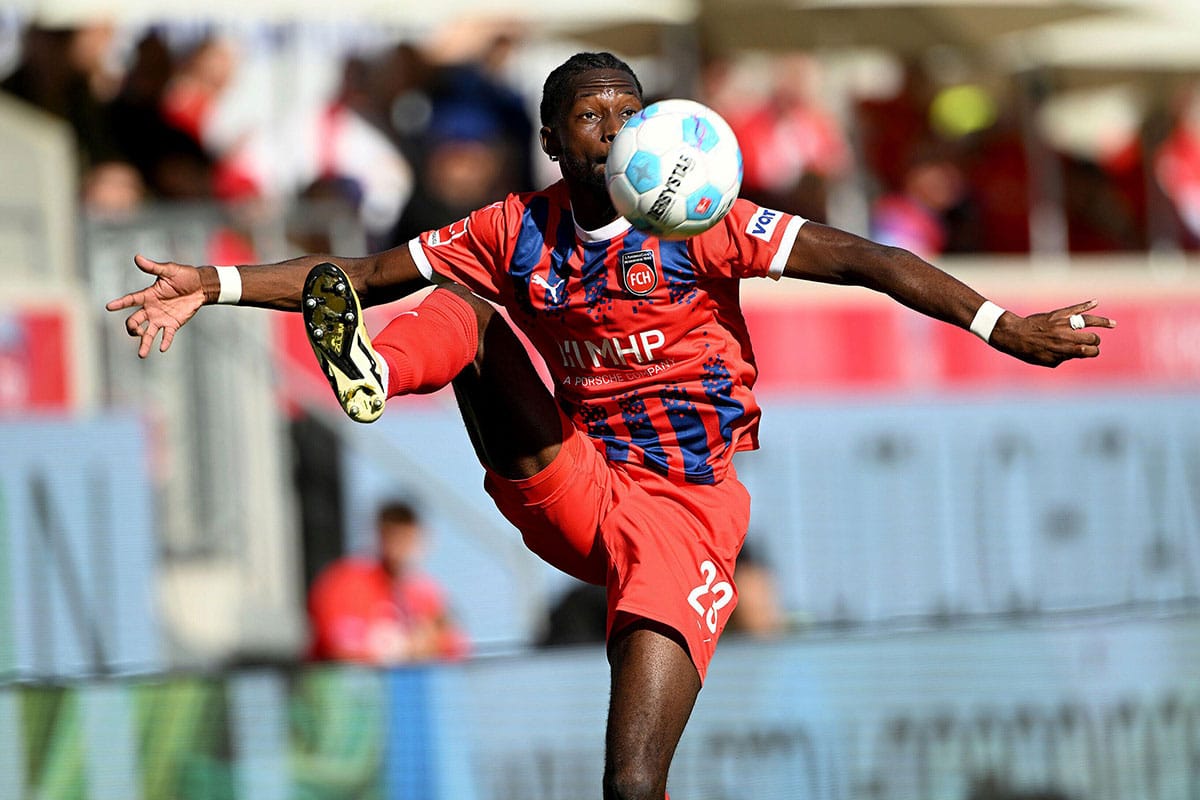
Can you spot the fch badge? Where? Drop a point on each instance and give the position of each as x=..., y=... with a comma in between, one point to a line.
x=639, y=274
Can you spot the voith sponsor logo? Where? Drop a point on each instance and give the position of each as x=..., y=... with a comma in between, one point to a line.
x=616, y=351
x=762, y=224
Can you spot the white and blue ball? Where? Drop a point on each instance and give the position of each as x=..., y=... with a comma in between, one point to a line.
x=674, y=169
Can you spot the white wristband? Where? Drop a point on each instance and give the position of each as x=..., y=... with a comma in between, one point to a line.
x=231, y=285
x=985, y=320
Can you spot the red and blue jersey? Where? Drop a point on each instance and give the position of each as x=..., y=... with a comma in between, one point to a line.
x=644, y=338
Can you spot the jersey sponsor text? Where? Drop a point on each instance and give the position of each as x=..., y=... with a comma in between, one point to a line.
x=612, y=352
x=762, y=224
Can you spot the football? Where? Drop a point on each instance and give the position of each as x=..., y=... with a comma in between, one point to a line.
x=674, y=169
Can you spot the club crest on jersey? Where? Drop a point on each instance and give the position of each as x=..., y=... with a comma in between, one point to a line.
x=639, y=273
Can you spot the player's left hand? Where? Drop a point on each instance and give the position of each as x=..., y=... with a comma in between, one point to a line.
x=1047, y=339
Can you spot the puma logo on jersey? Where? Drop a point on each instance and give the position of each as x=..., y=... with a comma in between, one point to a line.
x=538, y=280
x=613, y=352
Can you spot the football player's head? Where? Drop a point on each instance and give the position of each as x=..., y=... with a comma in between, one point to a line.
x=585, y=103
x=559, y=90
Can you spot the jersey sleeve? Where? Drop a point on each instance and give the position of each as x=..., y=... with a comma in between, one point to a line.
x=750, y=242
x=469, y=251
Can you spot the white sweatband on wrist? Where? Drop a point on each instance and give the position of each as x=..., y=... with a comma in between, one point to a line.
x=231, y=285
x=985, y=319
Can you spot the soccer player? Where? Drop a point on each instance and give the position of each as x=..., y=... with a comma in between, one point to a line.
x=384, y=609
x=623, y=475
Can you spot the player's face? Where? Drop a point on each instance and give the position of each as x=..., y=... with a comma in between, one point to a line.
x=603, y=100
x=399, y=546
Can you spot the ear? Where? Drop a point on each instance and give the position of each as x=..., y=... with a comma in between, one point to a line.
x=550, y=145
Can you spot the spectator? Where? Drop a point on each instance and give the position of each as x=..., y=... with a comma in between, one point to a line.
x=64, y=72
x=1177, y=165
x=1101, y=213
x=195, y=86
x=579, y=613
x=464, y=165
x=473, y=144
x=113, y=189
x=383, y=610
x=333, y=146
x=790, y=145
x=997, y=170
x=578, y=616
x=915, y=217
x=758, y=612
x=172, y=162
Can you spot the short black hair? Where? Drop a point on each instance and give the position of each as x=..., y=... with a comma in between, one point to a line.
x=397, y=512
x=559, y=87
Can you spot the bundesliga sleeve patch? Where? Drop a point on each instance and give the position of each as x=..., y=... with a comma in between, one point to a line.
x=639, y=274
x=447, y=234
x=763, y=222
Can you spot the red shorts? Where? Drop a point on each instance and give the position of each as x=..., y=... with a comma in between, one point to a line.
x=666, y=552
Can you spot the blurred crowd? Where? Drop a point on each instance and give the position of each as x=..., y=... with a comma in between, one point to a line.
x=412, y=135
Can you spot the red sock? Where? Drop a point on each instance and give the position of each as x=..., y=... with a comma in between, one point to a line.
x=427, y=347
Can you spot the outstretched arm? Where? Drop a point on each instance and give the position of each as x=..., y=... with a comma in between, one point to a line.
x=179, y=290
x=829, y=255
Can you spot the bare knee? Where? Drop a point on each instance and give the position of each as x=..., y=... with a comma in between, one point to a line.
x=634, y=782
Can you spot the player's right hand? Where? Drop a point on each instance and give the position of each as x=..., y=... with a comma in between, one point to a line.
x=165, y=305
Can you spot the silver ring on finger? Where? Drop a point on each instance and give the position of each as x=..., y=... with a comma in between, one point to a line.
x=1076, y=322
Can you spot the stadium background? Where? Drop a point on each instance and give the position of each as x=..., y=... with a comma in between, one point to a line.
x=990, y=573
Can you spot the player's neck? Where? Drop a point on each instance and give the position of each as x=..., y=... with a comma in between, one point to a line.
x=592, y=209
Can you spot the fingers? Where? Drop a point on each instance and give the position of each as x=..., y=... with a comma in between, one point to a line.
x=148, y=335
x=139, y=326
x=151, y=267
x=138, y=298
x=1064, y=316
x=1096, y=321
x=122, y=302
x=135, y=321
x=147, y=343
x=1048, y=339
x=1080, y=344
x=1089, y=320
x=1066, y=341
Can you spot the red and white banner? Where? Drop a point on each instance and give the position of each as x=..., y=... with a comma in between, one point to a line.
x=868, y=346
x=37, y=370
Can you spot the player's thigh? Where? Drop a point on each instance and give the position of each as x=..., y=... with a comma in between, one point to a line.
x=672, y=551
x=559, y=509
x=510, y=415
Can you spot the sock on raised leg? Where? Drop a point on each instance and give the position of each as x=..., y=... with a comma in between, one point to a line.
x=427, y=347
